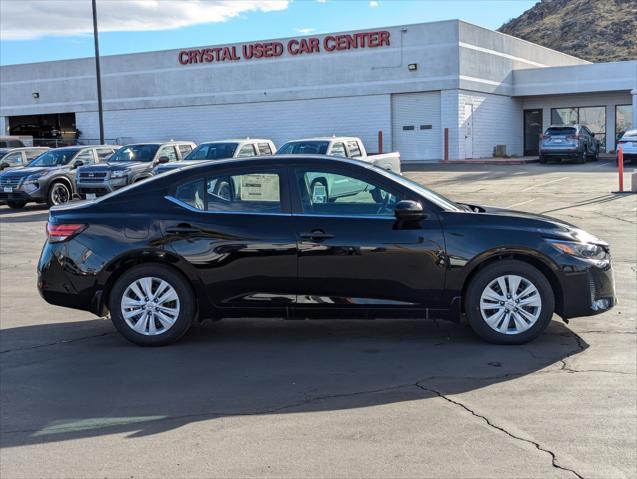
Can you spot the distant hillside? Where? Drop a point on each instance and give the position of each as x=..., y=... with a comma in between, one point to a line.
x=595, y=30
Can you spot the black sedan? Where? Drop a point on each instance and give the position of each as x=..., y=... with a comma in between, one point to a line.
x=314, y=237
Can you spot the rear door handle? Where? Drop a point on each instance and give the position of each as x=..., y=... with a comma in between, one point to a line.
x=316, y=235
x=182, y=229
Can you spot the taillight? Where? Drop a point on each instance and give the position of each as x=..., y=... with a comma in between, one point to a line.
x=62, y=232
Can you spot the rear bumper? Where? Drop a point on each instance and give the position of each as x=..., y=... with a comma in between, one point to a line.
x=560, y=152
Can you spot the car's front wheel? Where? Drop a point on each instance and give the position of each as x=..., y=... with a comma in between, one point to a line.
x=152, y=305
x=59, y=193
x=509, y=302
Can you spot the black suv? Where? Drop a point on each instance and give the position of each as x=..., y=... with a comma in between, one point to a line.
x=132, y=163
x=50, y=178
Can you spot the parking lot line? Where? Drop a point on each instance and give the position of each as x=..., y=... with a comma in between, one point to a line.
x=544, y=184
x=520, y=203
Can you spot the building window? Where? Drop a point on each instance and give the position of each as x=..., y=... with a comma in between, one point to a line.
x=592, y=117
x=623, y=120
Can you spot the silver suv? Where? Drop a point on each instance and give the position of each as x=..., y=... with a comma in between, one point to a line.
x=574, y=142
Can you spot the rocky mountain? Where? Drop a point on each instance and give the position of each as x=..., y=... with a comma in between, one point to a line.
x=595, y=30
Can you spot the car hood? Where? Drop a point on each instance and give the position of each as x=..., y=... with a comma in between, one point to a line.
x=30, y=170
x=117, y=165
x=546, y=225
x=180, y=164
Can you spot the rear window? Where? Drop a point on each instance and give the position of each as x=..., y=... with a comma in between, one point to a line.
x=561, y=131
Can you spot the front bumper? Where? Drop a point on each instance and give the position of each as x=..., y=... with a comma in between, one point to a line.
x=26, y=193
x=100, y=188
x=588, y=290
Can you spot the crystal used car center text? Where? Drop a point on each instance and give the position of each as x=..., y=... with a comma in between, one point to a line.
x=409, y=82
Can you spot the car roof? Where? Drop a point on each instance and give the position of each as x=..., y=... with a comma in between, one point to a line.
x=233, y=140
x=324, y=138
x=20, y=148
x=576, y=125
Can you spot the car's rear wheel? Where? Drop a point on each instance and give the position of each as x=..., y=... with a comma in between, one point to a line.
x=152, y=305
x=59, y=193
x=542, y=159
x=581, y=158
x=509, y=302
x=16, y=204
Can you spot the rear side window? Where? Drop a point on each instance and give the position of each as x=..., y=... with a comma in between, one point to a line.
x=338, y=149
x=85, y=157
x=33, y=154
x=185, y=150
x=354, y=149
x=103, y=153
x=264, y=149
x=561, y=131
x=12, y=159
x=250, y=192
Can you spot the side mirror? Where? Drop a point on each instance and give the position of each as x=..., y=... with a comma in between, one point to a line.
x=78, y=163
x=408, y=210
x=163, y=159
x=4, y=165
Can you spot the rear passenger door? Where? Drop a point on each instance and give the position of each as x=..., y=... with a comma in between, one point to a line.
x=234, y=226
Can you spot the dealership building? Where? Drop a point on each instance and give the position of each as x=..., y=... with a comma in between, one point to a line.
x=429, y=88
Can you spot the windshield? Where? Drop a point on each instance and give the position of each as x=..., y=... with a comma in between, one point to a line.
x=144, y=153
x=10, y=144
x=212, y=151
x=304, y=148
x=54, y=158
x=428, y=194
x=630, y=134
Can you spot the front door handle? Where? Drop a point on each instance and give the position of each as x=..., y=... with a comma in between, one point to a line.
x=316, y=235
x=182, y=229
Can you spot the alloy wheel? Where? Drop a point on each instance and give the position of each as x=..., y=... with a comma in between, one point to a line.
x=150, y=306
x=510, y=304
x=60, y=194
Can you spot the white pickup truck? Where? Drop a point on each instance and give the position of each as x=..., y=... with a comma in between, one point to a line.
x=342, y=146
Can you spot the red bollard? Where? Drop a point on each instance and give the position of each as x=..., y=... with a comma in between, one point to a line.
x=620, y=168
x=446, y=146
x=380, y=141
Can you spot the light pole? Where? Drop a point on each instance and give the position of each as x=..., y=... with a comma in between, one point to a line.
x=98, y=73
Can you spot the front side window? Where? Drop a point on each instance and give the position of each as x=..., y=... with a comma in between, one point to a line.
x=249, y=192
x=85, y=157
x=12, y=159
x=330, y=193
x=338, y=149
x=169, y=152
x=246, y=151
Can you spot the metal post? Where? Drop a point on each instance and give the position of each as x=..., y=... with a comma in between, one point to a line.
x=98, y=73
x=446, y=145
x=620, y=168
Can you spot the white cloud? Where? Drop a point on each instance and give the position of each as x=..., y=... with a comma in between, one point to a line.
x=26, y=19
x=305, y=31
x=374, y=3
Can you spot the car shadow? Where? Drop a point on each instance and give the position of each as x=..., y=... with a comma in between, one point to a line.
x=96, y=383
x=29, y=213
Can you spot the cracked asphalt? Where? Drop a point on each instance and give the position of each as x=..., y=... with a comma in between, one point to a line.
x=268, y=398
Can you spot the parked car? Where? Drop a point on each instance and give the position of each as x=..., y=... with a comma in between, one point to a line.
x=15, y=141
x=131, y=163
x=342, y=147
x=16, y=157
x=628, y=144
x=219, y=150
x=569, y=141
x=38, y=131
x=50, y=178
x=246, y=238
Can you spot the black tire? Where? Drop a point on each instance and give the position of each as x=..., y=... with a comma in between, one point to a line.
x=59, y=194
x=543, y=159
x=186, y=304
x=486, y=276
x=582, y=157
x=596, y=156
x=16, y=204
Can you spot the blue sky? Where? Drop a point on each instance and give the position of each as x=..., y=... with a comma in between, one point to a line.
x=44, y=30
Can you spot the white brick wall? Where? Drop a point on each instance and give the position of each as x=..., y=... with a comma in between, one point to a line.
x=497, y=121
x=281, y=121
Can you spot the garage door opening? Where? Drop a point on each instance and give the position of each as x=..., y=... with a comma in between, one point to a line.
x=55, y=129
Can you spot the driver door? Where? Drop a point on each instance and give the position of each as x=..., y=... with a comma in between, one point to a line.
x=354, y=258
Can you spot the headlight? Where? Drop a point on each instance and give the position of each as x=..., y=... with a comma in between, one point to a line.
x=29, y=180
x=581, y=250
x=118, y=173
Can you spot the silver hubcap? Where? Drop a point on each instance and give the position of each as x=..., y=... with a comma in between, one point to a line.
x=150, y=306
x=510, y=304
x=60, y=194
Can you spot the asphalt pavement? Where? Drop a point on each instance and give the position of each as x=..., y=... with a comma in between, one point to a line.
x=272, y=398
